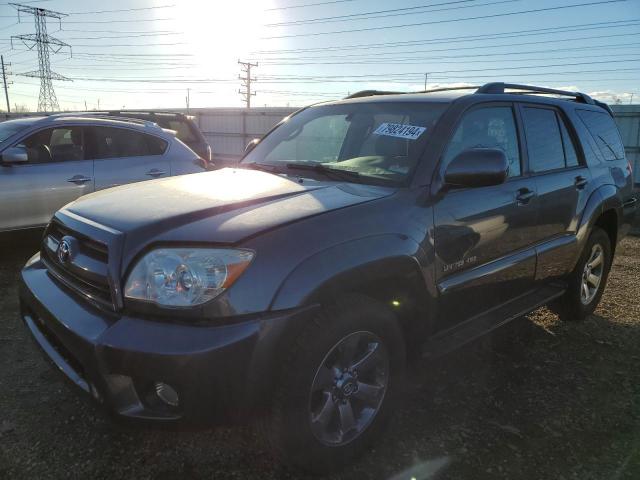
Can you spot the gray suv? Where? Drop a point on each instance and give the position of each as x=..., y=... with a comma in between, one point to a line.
x=47, y=162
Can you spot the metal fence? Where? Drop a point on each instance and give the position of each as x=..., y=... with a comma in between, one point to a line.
x=228, y=130
x=628, y=120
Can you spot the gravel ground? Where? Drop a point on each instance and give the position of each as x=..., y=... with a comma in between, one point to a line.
x=556, y=401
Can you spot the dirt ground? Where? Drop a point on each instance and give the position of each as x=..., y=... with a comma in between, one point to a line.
x=557, y=401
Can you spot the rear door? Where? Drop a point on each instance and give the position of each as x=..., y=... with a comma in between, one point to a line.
x=56, y=173
x=124, y=156
x=485, y=253
x=562, y=181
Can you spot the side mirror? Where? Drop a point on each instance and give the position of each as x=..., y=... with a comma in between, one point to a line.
x=478, y=167
x=15, y=155
x=251, y=145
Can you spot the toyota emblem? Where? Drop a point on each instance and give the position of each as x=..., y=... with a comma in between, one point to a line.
x=64, y=251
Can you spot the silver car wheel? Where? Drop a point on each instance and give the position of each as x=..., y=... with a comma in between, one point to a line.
x=592, y=275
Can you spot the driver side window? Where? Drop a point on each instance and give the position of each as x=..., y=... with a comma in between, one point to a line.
x=54, y=145
x=489, y=127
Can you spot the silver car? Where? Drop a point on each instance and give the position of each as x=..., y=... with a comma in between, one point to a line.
x=46, y=162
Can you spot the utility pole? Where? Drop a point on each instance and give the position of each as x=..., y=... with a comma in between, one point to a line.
x=43, y=43
x=630, y=100
x=188, y=99
x=4, y=79
x=246, y=82
x=426, y=76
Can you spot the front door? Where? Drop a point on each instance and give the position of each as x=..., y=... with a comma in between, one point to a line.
x=483, y=236
x=56, y=173
x=124, y=156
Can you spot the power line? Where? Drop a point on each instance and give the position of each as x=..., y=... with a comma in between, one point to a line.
x=137, y=35
x=452, y=20
x=386, y=75
x=133, y=21
x=396, y=12
x=420, y=61
x=305, y=5
x=380, y=56
x=122, y=10
x=456, y=39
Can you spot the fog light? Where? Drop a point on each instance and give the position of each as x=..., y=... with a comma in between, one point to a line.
x=167, y=394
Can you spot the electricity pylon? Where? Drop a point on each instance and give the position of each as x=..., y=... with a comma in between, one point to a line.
x=44, y=43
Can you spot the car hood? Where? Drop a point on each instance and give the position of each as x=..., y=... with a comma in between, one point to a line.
x=223, y=206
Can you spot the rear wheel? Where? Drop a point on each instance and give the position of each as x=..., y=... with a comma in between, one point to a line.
x=337, y=385
x=588, y=280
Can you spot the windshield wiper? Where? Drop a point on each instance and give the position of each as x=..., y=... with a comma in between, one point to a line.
x=265, y=167
x=326, y=171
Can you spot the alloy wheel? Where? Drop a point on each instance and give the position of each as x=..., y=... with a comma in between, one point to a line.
x=348, y=388
x=592, y=275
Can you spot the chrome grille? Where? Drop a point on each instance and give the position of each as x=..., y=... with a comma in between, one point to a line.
x=86, y=269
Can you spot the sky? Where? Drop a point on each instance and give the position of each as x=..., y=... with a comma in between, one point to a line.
x=154, y=53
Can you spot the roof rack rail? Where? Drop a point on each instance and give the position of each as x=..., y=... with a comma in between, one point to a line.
x=371, y=93
x=499, y=87
x=106, y=116
x=447, y=89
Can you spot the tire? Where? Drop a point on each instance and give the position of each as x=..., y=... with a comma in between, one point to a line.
x=575, y=304
x=312, y=401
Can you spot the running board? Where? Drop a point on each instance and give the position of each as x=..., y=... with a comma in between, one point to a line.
x=469, y=330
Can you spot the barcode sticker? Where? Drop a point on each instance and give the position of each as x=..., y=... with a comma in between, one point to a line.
x=410, y=132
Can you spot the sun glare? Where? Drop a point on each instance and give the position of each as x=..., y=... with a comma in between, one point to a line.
x=218, y=33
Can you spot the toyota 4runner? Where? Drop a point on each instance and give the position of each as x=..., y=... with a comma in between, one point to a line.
x=356, y=235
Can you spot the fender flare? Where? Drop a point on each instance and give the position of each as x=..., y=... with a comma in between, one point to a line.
x=603, y=199
x=335, y=270
x=347, y=265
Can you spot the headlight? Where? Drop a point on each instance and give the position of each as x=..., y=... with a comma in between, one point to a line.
x=184, y=277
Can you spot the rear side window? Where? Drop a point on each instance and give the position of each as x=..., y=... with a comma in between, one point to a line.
x=544, y=141
x=569, y=148
x=183, y=130
x=605, y=132
x=108, y=142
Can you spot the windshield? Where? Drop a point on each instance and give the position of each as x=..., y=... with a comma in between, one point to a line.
x=381, y=141
x=7, y=129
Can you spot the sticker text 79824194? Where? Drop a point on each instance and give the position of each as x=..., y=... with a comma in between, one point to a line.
x=409, y=132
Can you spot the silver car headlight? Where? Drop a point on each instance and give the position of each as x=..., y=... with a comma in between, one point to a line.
x=185, y=277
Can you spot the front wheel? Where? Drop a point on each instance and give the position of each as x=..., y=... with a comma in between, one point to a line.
x=337, y=385
x=588, y=280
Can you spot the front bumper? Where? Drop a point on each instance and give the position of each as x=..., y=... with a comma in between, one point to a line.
x=218, y=371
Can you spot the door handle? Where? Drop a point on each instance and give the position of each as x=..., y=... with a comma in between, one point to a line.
x=154, y=172
x=524, y=196
x=581, y=181
x=79, y=179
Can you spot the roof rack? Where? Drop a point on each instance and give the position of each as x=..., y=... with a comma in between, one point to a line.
x=499, y=87
x=371, y=93
x=106, y=116
x=124, y=113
